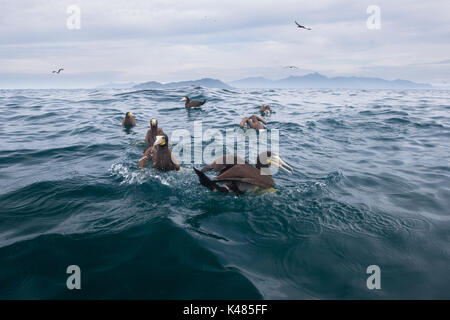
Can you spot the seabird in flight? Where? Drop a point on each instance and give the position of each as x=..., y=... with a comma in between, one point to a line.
x=301, y=27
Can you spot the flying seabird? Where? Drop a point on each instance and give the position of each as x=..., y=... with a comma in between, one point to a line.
x=301, y=27
x=291, y=67
x=238, y=176
x=253, y=122
x=59, y=70
x=192, y=104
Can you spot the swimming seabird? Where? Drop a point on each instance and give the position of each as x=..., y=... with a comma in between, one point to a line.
x=241, y=177
x=301, y=27
x=161, y=156
x=153, y=132
x=129, y=121
x=265, y=109
x=192, y=104
x=253, y=122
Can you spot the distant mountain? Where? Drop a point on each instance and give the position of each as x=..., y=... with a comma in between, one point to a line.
x=312, y=80
x=113, y=85
x=316, y=80
x=205, y=82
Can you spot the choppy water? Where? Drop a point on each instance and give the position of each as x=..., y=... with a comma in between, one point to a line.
x=371, y=186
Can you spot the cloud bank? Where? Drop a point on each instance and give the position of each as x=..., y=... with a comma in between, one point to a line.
x=169, y=40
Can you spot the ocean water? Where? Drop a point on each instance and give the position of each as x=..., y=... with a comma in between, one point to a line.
x=371, y=186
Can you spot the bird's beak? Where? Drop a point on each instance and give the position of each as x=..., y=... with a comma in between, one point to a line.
x=131, y=114
x=184, y=99
x=153, y=123
x=277, y=161
x=160, y=140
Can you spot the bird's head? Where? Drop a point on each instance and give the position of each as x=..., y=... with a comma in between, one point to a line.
x=185, y=99
x=162, y=140
x=129, y=114
x=153, y=123
x=269, y=158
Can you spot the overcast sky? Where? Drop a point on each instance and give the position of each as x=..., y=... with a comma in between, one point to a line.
x=167, y=40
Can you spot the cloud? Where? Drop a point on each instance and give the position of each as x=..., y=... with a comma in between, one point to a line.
x=179, y=40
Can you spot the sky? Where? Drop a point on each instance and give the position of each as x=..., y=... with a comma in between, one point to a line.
x=168, y=40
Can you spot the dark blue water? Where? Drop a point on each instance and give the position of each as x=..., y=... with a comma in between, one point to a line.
x=371, y=186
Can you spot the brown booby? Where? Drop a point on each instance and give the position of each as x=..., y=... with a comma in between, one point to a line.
x=161, y=156
x=153, y=132
x=129, y=121
x=265, y=109
x=192, y=104
x=238, y=176
x=253, y=122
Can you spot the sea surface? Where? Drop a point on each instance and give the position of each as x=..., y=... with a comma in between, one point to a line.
x=371, y=186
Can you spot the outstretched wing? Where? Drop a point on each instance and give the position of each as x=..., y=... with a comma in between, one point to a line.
x=261, y=119
x=242, y=124
x=298, y=25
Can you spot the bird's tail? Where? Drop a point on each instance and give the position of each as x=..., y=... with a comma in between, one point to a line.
x=203, y=102
x=207, y=182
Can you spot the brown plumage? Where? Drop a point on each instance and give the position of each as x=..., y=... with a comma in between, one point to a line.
x=238, y=175
x=224, y=163
x=152, y=133
x=265, y=109
x=129, y=121
x=160, y=156
x=192, y=104
x=253, y=122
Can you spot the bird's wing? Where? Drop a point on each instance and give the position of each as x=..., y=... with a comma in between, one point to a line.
x=242, y=124
x=246, y=173
x=195, y=104
x=298, y=24
x=261, y=119
x=223, y=163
